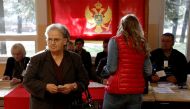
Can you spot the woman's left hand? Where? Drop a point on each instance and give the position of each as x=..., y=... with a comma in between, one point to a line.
x=66, y=88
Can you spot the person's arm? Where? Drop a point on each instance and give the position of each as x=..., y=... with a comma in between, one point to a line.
x=97, y=59
x=99, y=69
x=180, y=70
x=89, y=60
x=81, y=77
x=26, y=61
x=8, y=69
x=82, y=74
x=100, y=66
x=147, y=67
x=88, y=64
x=31, y=80
x=154, y=56
x=112, y=59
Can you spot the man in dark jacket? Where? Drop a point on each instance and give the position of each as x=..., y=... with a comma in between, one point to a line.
x=85, y=55
x=168, y=60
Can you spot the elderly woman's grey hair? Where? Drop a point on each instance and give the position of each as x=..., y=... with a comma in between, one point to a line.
x=20, y=47
x=62, y=28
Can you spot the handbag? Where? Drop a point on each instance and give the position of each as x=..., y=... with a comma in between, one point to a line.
x=87, y=103
x=79, y=103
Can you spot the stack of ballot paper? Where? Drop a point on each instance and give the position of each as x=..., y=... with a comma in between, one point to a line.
x=164, y=87
x=5, y=83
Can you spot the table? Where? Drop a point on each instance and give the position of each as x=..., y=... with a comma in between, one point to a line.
x=18, y=98
x=179, y=96
x=5, y=88
x=3, y=92
x=180, y=99
x=97, y=93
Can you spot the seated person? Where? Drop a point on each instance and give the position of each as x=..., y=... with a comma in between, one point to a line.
x=85, y=55
x=168, y=60
x=99, y=69
x=16, y=64
x=102, y=54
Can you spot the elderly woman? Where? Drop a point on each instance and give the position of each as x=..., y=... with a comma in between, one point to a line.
x=16, y=64
x=55, y=77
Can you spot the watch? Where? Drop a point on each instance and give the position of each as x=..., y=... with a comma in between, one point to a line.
x=74, y=85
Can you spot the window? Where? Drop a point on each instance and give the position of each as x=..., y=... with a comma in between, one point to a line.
x=93, y=47
x=17, y=24
x=176, y=21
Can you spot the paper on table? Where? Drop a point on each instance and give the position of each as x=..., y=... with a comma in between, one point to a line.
x=5, y=83
x=95, y=84
x=161, y=73
x=163, y=90
x=166, y=84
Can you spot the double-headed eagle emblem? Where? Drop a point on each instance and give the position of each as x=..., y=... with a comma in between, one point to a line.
x=98, y=18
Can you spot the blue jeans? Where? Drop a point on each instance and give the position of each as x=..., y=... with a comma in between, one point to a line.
x=122, y=101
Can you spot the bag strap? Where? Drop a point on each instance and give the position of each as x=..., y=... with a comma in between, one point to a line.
x=87, y=93
x=89, y=99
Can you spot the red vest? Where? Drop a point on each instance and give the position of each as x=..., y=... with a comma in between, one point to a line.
x=128, y=78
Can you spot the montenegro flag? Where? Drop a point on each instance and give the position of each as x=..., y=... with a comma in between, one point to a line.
x=94, y=19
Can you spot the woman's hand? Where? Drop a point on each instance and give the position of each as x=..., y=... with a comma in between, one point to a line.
x=104, y=81
x=52, y=88
x=67, y=88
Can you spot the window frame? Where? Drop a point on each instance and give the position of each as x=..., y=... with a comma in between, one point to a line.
x=41, y=23
x=161, y=29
